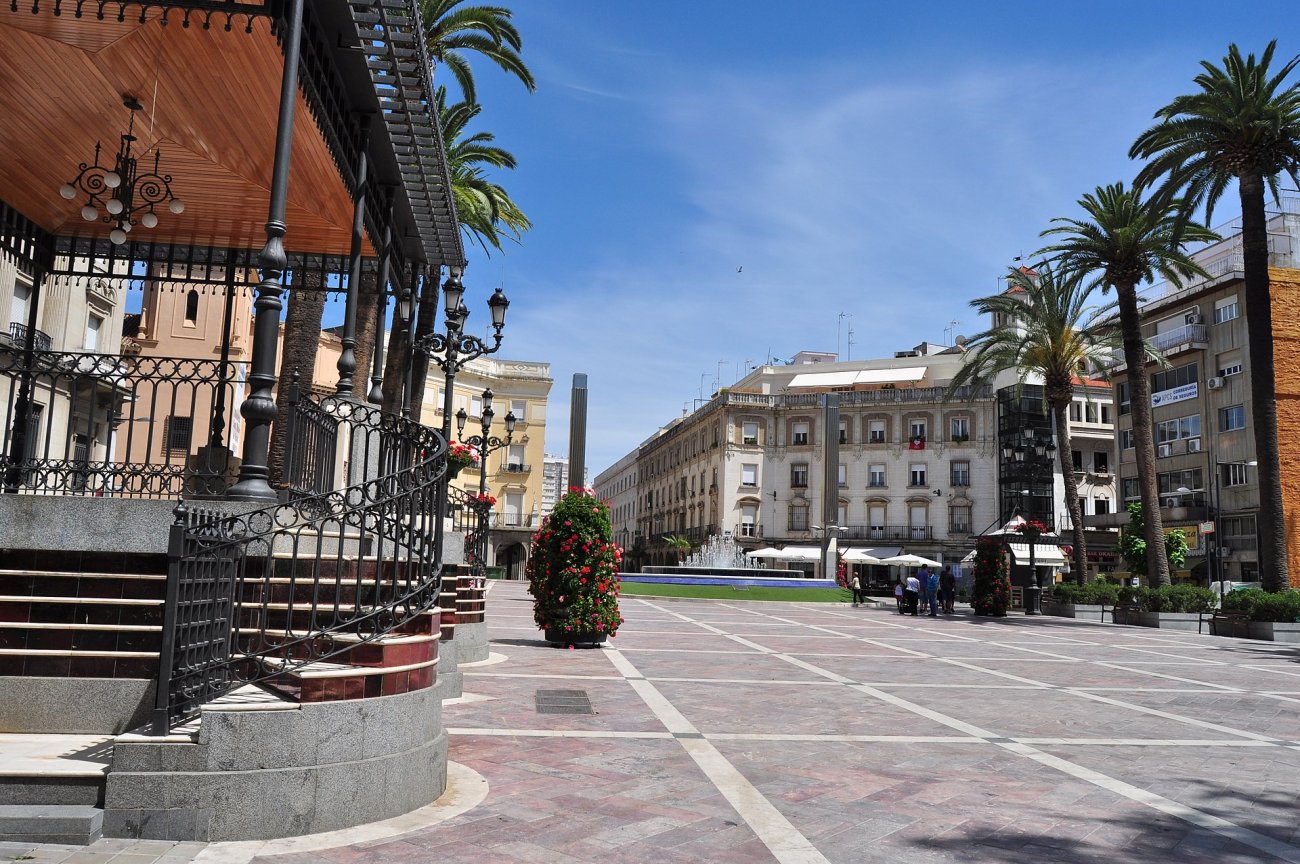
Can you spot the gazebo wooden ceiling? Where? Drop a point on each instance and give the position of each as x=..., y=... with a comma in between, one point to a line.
x=210, y=99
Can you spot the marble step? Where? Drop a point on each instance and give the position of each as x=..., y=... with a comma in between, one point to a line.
x=70, y=824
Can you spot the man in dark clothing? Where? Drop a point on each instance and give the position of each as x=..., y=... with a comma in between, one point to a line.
x=947, y=590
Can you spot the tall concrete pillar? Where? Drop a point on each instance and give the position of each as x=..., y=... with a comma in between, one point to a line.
x=830, y=484
x=578, y=432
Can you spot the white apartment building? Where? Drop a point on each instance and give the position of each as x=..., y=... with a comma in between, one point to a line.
x=617, y=487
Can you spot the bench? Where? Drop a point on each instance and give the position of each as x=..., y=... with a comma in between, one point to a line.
x=1124, y=613
x=1228, y=623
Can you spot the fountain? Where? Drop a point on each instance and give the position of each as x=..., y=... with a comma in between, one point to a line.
x=720, y=561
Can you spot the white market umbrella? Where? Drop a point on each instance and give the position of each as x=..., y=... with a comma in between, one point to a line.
x=801, y=553
x=861, y=556
x=765, y=552
x=909, y=560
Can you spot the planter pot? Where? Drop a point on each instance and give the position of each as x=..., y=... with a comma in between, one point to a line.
x=1089, y=612
x=1057, y=608
x=1275, y=631
x=564, y=638
x=1190, y=621
x=1128, y=616
x=453, y=470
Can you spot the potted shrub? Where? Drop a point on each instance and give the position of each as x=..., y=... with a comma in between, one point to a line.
x=573, y=572
x=991, y=592
x=1274, y=617
x=1088, y=602
x=1177, y=607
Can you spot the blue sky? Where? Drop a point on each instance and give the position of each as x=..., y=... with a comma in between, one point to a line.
x=886, y=161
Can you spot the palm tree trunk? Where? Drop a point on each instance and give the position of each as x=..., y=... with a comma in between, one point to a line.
x=426, y=319
x=1065, y=449
x=367, y=322
x=1143, y=439
x=1273, y=569
x=302, y=326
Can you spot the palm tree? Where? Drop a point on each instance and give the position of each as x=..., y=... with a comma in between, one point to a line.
x=678, y=544
x=487, y=30
x=1043, y=325
x=486, y=211
x=1242, y=124
x=1124, y=241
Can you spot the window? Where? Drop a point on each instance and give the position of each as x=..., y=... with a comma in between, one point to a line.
x=192, y=307
x=876, y=432
x=1232, y=369
x=1105, y=414
x=749, y=433
x=1126, y=441
x=177, y=432
x=799, y=474
x=1090, y=412
x=748, y=518
x=843, y=513
x=876, y=476
x=916, y=474
x=1225, y=309
x=1231, y=418
x=918, y=520
x=1076, y=460
x=800, y=434
x=798, y=515
x=843, y=477
x=1101, y=506
x=1228, y=363
x=1234, y=474
x=876, y=518
x=916, y=429
x=1076, y=412
x=960, y=472
x=844, y=431
x=93, y=323
x=514, y=508
x=18, y=308
x=1124, y=398
x=1132, y=490
x=748, y=474
x=1178, y=428
x=519, y=408
x=442, y=395
x=959, y=518
x=1239, y=528
x=959, y=428
x=1171, y=378
x=515, y=457
x=1100, y=462
x=1169, y=482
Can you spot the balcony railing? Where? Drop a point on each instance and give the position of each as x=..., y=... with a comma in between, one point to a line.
x=515, y=468
x=863, y=397
x=18, y=336
x=1188, y=334
x=887, y=532
x=512, y=520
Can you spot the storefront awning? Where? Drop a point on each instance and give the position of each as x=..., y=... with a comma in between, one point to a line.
x=907, y=375
x=1044, y=554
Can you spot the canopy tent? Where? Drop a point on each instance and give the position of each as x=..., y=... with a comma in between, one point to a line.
x=909, y=560
x=970, y=557
x=1045, y=554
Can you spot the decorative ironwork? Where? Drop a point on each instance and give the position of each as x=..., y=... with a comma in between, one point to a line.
x=121, y=189
x=254, y=597
x=477, y=542
x=189, y=10
x=104, y=425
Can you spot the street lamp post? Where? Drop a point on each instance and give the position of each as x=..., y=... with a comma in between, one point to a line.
x=830, y=552
x=451, y=351
x=486, y=444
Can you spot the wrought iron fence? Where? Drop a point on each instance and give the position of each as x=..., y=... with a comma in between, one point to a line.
x=257, y=596
x=136, y=427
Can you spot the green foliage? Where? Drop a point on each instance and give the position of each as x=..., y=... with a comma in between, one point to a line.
x=485, y=30
x=991, y=592
x=1097, y=593
x=573, y=569
x=1168, y=598
x=679, y=544
x=1133, y=544
x=1263, y=605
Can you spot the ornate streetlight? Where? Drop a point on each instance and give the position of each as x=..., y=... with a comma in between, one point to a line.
x=486, y=444
x=452, y=350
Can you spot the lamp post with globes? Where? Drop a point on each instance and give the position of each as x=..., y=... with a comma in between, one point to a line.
x=486, y=444
x=451, y=351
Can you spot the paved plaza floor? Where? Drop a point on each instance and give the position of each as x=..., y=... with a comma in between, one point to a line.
x=801, y=733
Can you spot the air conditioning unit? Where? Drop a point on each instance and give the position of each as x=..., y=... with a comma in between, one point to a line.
x=1165, y=450
x=1193, y=445
x=1215, y=383
x=1194, y=318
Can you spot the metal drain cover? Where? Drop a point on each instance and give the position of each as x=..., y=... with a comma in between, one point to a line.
x=563, y=702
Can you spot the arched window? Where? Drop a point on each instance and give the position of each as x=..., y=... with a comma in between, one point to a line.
x=192, y=307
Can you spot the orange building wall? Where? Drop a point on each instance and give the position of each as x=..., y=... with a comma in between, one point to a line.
x=1285, y=288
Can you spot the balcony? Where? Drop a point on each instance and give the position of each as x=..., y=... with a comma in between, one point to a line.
x=18, y=337
x=512, y=520
x=515, y=468
x=887, y=532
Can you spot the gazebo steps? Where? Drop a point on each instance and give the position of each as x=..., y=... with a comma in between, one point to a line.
x=68, y=824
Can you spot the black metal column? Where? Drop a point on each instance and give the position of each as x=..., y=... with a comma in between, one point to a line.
x=347, y=364
x=418, y=281
x=23, y=402
x=376, y=394
x=216, y=435
x=259, y=409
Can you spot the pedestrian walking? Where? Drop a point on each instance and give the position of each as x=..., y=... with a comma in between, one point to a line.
x=859, y=595
x=898, y=594
x=911, y=593
x=947, y=590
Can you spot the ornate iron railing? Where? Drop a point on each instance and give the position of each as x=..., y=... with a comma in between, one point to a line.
x=258, y=596
x=136, y=427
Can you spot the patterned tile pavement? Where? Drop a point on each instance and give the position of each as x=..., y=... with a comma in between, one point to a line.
x=756, y=732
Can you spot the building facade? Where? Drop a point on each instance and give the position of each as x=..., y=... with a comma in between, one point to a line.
x=617, y=487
